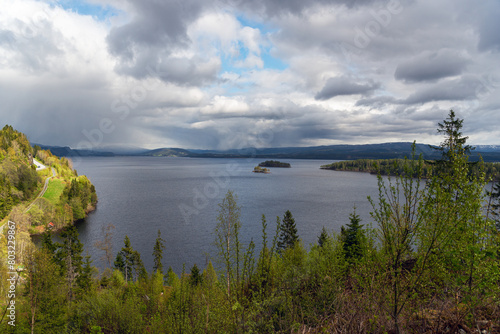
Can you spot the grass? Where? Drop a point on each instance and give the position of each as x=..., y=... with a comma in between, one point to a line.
x=54, y=190
x=45, y=172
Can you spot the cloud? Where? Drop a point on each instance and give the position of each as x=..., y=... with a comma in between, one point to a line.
x=156, y=31
x=431, y=66
x=461, y=89
x=376, y=102
x=489, y=26
x=272, y=8
x=197, y=74
x=344, y=86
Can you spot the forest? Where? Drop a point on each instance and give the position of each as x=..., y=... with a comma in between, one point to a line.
x=427, y=263
x=395, y=167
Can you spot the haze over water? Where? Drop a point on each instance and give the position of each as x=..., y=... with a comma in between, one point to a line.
x=180, y=196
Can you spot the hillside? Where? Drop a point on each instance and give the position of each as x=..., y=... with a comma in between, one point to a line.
x=396, y=150
x=67, y=197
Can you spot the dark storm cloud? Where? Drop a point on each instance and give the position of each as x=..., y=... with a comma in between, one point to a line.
x=280, y=7
x=182, y=71
x=376, y=102
x=465, y=88
x=158, y=28
x=147, y=41
x=169, y=73
x=345, y=86
x=489, y=26
x=155, y=23
x=430, y=66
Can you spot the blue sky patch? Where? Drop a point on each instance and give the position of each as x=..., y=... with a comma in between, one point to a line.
x=102, y=13
x=229, y=63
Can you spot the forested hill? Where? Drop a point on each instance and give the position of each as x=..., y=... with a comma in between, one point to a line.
x=18, y=181
x=331, y=152
x=67, y=197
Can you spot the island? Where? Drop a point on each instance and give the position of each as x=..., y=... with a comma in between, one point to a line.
x=259, y=169
x=273, y=163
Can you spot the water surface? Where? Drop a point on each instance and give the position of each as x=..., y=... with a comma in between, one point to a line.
x=180, y=196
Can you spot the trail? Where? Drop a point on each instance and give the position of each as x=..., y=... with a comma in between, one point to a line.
x=39, y=166
x=45, y=186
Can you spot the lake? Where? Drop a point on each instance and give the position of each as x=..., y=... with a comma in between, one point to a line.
x=180, y=197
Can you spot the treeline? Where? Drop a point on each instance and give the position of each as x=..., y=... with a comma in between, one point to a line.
x=395, y=167
x=429, y=264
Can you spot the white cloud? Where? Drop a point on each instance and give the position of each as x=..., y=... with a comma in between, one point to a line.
x=193, y=74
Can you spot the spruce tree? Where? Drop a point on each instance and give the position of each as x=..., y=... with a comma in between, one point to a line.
x=352, y=236
x=288, y=232
x=84, y=280
x=453, y=147
x=158, y=253
x=323, y=237
x=195, y=277
x=138, y=267
x=125, y=260
x=69, y=256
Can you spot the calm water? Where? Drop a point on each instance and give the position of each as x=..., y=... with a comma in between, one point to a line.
x=180, y=196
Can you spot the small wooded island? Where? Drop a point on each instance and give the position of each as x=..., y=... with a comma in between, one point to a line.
x=259, y=169
x=273, y=163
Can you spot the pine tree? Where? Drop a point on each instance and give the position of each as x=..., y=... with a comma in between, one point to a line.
x=158, y=253
x=45, y=293
x=323, y=237
x=119, y=263
x=125, y=260
x=195, y=277
x=84, y=280
x=454, y=145
x=288, y=232
x=69, y=256
x=138, y=267
x=171, y=277
x=352, y=237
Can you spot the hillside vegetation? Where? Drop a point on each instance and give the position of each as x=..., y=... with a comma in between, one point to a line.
x=68, y=197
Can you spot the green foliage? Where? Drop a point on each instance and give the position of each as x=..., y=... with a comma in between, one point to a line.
x=430, y=265
x=288, y=232
x=128, y=262
x=158, y=253
x=54, y=191
x=395, y=167
x=273, y=163
x=323, y=237
x=18, y=181
x=494, y=203
x=195, y=277
x=45, y=293
x=70, y=197
x=226, y=234
x=353, y=237
x=80, y=195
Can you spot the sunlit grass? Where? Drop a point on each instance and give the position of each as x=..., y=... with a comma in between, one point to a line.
x=54, y=190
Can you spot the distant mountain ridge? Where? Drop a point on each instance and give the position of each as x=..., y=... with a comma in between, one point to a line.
x=330, y=152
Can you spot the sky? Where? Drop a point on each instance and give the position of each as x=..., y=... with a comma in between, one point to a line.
x=222, y=74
